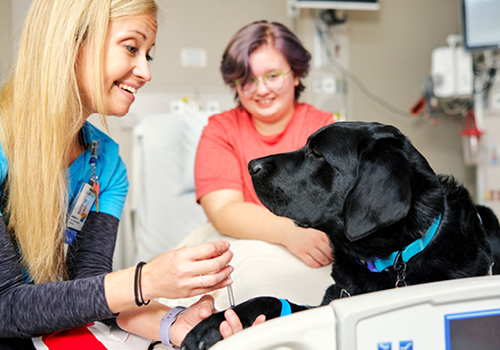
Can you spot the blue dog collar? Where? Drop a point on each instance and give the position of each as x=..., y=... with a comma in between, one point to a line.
x=378, y=264
x=285, y=307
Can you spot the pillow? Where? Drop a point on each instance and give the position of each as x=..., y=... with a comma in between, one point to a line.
x=192, y=126
x=162, y=218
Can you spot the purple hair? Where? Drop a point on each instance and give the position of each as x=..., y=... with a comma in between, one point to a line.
x=235, y=63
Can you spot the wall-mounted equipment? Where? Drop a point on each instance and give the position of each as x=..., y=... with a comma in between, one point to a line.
x=471, y=136
x=452, y=70
x=338, y=4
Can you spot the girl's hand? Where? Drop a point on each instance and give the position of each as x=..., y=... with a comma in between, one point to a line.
x=310, y=245
x=188, y=271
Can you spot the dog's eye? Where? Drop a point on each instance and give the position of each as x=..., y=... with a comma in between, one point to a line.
x=316, y=153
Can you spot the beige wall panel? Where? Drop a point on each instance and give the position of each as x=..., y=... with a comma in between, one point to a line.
x=5, y=34
x=391, y=53
x=205, y=25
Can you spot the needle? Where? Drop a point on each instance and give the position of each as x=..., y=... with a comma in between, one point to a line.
x=231, y=295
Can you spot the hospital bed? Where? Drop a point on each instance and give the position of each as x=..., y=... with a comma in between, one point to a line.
x=461, y=314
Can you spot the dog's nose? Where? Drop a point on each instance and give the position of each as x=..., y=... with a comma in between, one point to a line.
x=254, y=167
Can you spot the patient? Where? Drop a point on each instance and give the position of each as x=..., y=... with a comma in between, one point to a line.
x=264, y=63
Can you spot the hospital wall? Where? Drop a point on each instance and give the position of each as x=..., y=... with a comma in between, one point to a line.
x=5, y=34
x=389, y=51
x=391, y=54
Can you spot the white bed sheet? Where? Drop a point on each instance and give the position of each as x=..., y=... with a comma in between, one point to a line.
x=262, y=269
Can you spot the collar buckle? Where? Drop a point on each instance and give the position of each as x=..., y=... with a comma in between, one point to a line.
x=400, y=268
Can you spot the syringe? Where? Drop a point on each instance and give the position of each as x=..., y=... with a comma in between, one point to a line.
x=231, y=295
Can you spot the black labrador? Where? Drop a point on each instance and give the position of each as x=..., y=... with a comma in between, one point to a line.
x=391, y=220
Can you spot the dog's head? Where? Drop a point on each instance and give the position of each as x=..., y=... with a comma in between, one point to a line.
x=350, y=179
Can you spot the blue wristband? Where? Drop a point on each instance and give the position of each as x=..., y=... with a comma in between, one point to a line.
x=166, y=324
x=286, y=309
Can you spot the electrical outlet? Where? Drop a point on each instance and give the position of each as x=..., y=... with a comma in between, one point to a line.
x=329, y=85
x=495, y=101
x=213, y=106
x=292, y=10
x=317, y=85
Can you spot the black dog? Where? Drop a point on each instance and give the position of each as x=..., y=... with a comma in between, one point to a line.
x=391, y=220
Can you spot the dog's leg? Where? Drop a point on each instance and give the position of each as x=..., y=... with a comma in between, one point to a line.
x=334, y=292
x=207, y=333
x=492, y=228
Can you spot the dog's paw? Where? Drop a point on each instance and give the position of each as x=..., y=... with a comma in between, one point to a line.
x=206, y=333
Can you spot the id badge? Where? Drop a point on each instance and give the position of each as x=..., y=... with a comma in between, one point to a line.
x=79, y=212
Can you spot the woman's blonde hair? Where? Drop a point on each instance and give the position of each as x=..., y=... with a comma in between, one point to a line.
x=41, y=113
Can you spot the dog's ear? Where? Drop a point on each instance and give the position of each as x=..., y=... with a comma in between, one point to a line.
x=381, y=194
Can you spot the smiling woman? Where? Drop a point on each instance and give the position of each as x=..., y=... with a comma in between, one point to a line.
x=270, y=103
x=63, y=183
x=126, y=69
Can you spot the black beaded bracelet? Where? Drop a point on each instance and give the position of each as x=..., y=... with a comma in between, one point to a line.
x=139, y=299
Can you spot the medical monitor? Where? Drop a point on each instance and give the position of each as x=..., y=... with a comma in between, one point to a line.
x=473, y=330
x=339, y=4
x=481, y=24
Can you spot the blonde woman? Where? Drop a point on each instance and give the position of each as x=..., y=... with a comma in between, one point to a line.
x=57, y=171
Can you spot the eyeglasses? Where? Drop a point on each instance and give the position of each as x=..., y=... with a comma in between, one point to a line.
x=272, y=80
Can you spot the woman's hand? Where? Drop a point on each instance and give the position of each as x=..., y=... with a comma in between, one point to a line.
x=190, y=318
x=310, y=245
x=201, y=310
x=188, y=271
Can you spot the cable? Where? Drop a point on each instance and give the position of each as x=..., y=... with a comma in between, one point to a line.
x=330, y=17
x=492, y=71
x=351, y=76
x=428, y=84
x=332, y=38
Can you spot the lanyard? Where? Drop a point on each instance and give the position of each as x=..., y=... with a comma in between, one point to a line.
x=84, y=200
x=94, y=153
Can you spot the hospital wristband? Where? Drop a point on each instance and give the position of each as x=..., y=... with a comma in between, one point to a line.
x=286, y=309
x=166, y=324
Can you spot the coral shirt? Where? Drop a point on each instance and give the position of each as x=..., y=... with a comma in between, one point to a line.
x=230, y=141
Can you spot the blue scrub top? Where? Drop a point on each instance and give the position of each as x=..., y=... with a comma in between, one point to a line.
x=110, y=170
